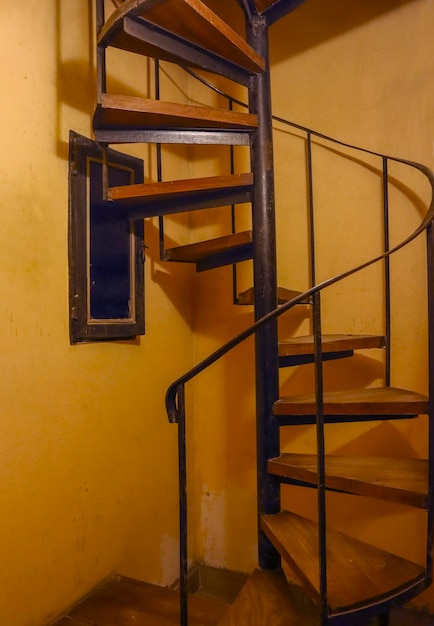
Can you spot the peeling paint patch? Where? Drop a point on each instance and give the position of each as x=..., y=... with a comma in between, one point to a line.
x=212, y=523
x=169, y=558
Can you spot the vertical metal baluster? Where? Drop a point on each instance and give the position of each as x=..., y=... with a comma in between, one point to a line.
x=182, y=472
x=320, y=441
x=233, y=221
x=387, y=302
x=311, y=209
x=320, y=438
x=430, y=279
x=101, y=87
x=100, y=52
x=385, y=617
x=159, y=160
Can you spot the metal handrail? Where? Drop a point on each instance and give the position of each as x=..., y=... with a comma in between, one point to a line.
x=175, y=396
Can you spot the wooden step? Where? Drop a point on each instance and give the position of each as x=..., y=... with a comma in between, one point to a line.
x=283, y=295
x=267, y=600
x=189, y=20
x=128, y=119
x=374, y=403
x=301, y=350
x=131, y=112
x=398, y=480
x=149, y=199
x=358, y=574
x=215, y=252
x=330, y=343
x=124, y=601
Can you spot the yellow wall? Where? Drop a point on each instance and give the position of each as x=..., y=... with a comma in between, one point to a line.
x=88, y=460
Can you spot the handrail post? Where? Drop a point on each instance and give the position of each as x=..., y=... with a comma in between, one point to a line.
x=320, y=451
x=311, y=209
x=100, y=52
x=430, y=287
x=233, y=220
x=182, y=473
x=387, y=302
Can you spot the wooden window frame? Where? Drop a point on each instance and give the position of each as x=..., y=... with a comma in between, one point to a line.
x=85, y=201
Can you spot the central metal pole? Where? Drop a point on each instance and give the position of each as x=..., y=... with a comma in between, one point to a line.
x=265, y=286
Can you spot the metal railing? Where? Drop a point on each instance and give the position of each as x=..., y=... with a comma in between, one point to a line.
x=175, y=397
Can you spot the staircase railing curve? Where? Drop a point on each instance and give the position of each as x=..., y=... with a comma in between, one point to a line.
x=175, y=396
x=171, y=404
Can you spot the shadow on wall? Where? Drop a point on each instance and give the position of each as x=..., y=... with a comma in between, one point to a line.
x=318, y=21
x=76, y=77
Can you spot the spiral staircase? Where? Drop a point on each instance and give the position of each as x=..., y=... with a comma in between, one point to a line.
x=349, y=581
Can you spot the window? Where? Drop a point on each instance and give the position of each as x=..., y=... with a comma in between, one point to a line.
x=106, y=248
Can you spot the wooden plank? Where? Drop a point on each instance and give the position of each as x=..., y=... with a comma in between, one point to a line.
x=267, y=600
x=358, y=574
x=398, y=480
x=141, y=37
x=376, y=401
x=141, y=113
x=192, y=20
x=161, y=198
x=194, y=252
x=283, y=295
x=330, y=343
x=170, y=188
x=123, y=602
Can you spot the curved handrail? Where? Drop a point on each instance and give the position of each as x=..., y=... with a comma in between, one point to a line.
x=173, y=390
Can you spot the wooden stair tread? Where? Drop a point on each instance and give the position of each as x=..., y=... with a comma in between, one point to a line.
x=330, y=343
x=194, y=252
x=398, y=480
x=267, y=600
x=150, y=199
x=283, y=295
x=375, y=401
x=124, y=601
x=130, y=112
x=191, y=20
x=358, y=574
